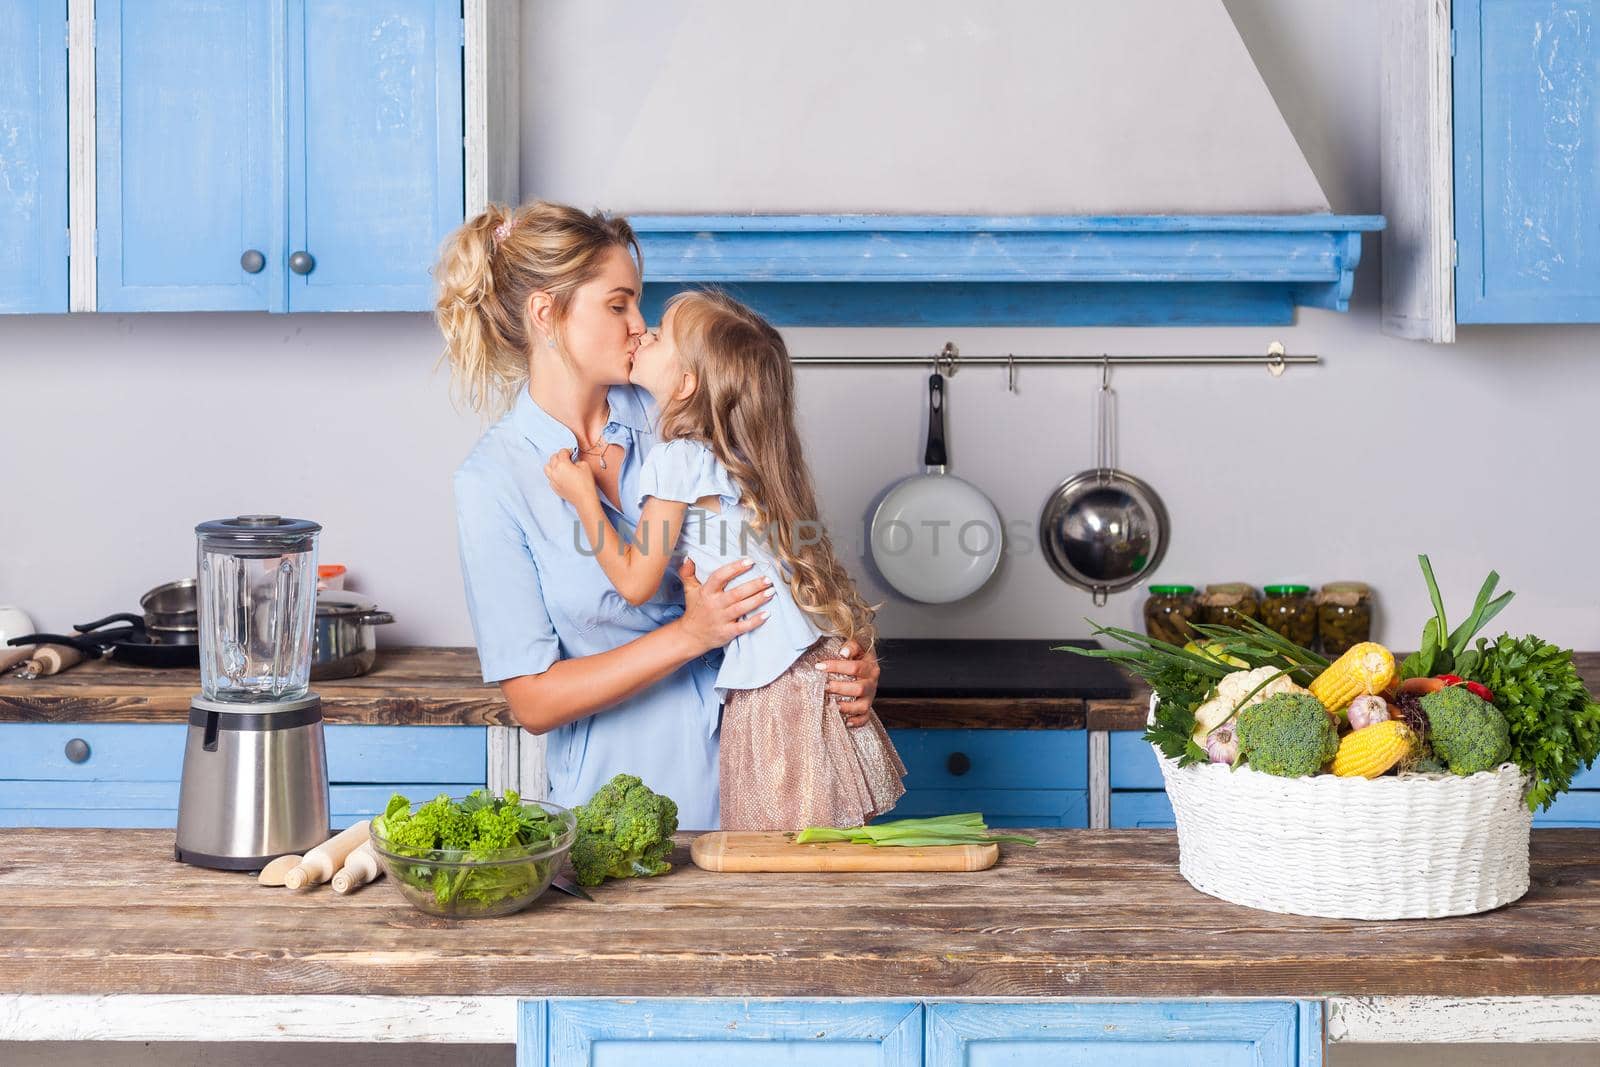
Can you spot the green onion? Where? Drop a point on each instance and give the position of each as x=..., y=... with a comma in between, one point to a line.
x=967, y=828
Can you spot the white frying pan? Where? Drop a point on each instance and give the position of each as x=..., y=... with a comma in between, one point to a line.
x=936, y=538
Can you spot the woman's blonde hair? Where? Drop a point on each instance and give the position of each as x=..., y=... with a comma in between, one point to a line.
x=487, y=270
x=743, y=409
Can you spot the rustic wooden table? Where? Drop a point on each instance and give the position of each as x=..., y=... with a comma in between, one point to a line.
x=105, y=924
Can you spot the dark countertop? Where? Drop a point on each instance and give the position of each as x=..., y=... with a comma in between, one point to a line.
x=1087, y=914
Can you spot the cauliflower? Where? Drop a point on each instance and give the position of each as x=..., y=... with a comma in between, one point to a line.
x=1231, y=693
x=1288, y=734
x=1468, y=733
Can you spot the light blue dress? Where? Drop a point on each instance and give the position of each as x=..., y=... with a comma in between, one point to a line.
x=688, y=470
x=537, y=595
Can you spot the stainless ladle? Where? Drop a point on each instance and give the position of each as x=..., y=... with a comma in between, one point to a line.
x=1103, y=529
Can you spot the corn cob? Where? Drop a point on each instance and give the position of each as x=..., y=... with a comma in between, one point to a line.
x=1369, y=752
x=1365, y=668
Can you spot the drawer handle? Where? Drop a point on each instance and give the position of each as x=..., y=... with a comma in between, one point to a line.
x=958, y=764
x=252, y=261
x=302, y=263
x=77, y=750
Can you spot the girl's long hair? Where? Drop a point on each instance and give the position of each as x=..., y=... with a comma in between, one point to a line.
x=485, y=282
x=743, y=410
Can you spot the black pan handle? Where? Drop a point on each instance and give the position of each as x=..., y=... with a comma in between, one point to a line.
x=935, y=455
x=89, y=646
x=136, y=621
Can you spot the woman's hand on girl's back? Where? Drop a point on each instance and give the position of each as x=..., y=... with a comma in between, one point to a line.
x=714, y=612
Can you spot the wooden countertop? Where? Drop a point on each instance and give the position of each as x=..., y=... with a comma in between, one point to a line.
x=1087, y=913
x=441, y=686
x=435, y=687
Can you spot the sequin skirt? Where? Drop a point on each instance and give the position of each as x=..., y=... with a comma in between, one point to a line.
x=788, y=760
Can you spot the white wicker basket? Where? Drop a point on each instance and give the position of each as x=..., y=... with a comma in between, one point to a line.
x=1414, y=847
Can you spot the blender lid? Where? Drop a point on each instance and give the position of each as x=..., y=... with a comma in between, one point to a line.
x=258, y=531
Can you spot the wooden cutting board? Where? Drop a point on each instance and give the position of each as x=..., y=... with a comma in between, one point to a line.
x=746, y=851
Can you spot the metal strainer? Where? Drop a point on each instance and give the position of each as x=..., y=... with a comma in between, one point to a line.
x=1103, y=529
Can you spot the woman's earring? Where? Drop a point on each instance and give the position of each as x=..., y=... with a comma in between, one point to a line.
x=549, y=342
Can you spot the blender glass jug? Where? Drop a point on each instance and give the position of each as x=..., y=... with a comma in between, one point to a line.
x=258, y=598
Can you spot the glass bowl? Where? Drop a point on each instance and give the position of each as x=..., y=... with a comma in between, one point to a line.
x=478, y=885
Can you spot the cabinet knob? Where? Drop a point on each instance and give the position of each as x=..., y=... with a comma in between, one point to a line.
x=77, y=750
x=958, y=764
x=252, y=261
x=301, y=262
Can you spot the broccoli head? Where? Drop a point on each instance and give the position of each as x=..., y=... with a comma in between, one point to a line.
x=1468, y=733
x=625, y=831
x=1288, y=734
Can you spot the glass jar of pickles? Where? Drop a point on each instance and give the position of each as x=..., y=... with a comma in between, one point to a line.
x=1220, y=603
x=1344, y=616
x=1292, y=611
x=1168, y=611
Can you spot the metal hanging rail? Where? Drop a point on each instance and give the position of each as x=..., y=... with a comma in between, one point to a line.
x=949, y=360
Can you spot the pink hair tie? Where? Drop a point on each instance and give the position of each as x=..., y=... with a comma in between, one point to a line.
x=502, y=231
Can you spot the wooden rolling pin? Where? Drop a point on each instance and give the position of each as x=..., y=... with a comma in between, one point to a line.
x=274, y=872
x=319, y=864
x=47, y=660
x=359, y=868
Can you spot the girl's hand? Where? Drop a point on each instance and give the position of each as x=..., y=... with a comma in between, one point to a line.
x=714, y=614
x=860, y=685
x=573, y=482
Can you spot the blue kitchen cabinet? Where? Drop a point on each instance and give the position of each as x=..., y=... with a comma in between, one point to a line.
x=276, y=156
x=1017, y=778
x=33, y=156
x=375, y=150
x=1527, y=160
x=590, y=1032
x=729, y=1032
x=1138, y=793
x=1150, y=1034
x=129, y=772
x=189, y=155
x=1580, y=807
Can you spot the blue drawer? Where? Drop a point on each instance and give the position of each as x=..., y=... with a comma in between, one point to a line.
x=995, y=759
x=153, y=752
x=1578, y=808
x=1053, y=808
x=408, y=754
x=118, y=752
x=1141, y=810
x=1133, y=762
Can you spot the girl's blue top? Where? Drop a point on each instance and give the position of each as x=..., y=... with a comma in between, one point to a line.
x=688, y=470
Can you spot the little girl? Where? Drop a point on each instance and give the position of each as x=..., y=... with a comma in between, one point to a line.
x=728, y=481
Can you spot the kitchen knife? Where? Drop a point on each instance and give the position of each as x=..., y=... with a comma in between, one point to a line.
x=571, y=888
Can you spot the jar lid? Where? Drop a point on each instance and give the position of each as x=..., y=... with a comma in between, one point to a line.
x=1172, y=590
x=1241, y=588
x=258, y=531
x=1288, y=590
x=332, y=603
x=1347, y=587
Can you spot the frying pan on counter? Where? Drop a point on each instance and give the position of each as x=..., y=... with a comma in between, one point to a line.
x=935, y=538
x=126, y=643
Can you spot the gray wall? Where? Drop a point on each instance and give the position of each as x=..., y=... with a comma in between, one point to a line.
x=1476, y=453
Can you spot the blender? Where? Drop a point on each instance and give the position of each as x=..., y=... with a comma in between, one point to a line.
x=255, y=769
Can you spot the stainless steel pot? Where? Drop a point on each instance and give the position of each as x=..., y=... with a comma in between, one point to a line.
x=345, y=644
x=173, y=606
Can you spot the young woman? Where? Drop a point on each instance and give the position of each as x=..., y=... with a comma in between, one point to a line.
x=539, y=306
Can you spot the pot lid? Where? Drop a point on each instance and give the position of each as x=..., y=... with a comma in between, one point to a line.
x=335, y=602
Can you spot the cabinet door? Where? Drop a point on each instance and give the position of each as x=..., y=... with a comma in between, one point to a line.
x=189, y=155
x=375, y=150
x=729, y=1032
x=1150, y=1034
x=1527, y=160
x=33, y=156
